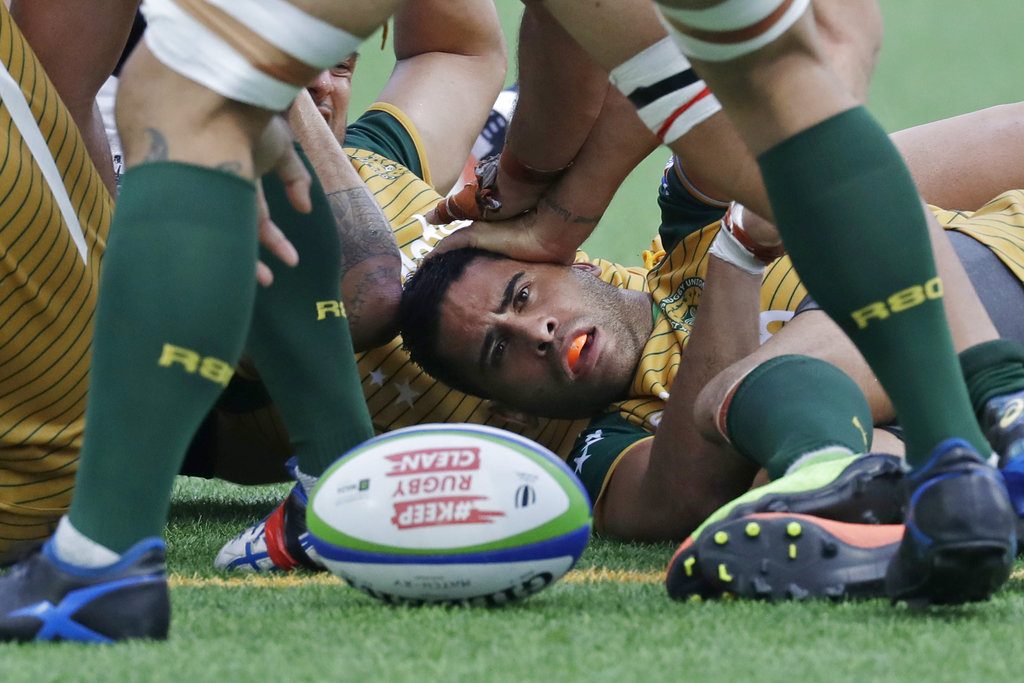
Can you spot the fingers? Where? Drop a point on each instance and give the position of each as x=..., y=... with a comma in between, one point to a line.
x=477, y=200
x=296, y=179
x=276, y=151
x=460, y=239
x=264, y=276
x=271, y=236
x=461, y=206
x=510, y=238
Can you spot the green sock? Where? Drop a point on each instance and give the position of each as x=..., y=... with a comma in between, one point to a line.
x=300, y=340
x=791, y=408
x=176, y=296
x=992, y=369
x=854, y=227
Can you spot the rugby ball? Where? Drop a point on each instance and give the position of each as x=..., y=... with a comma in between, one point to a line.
x=449, y=513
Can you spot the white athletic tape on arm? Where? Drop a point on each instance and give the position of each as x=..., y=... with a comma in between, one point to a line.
x=727, y=16
x=727, y=248
x=723, y=51
x=301, y=35
x=668, y=95
x=185, y=46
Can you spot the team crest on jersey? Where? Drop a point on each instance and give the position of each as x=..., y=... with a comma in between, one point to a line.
x=680, y=307
x=377, y=163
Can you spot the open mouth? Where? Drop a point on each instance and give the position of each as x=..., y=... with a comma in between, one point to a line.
x=577, y=350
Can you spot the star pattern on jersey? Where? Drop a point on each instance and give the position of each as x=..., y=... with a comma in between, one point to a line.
x=589, y=440
x=580, y=460
x=377, y=378
x=406, y=394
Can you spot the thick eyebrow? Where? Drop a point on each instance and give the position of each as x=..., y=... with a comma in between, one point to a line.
x=510, y=289
x=506, y=301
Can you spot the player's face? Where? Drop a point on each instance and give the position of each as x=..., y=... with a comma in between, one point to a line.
x=331, y=91
x=510, y=326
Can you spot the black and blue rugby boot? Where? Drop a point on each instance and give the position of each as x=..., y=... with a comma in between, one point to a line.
x=1003, y=424
x=44, y=598
x=961, y=531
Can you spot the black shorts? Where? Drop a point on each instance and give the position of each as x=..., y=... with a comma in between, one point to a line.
x=1000, y=291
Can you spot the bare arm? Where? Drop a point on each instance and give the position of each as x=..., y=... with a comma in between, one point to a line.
x=964, y=161
x=371, y=267
x=666, y=488
x=78, y=43
x=713, y=153
x=570, y=210
x=451, y=65
x=561, y=94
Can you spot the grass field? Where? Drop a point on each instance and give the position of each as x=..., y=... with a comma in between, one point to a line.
x=609, y=620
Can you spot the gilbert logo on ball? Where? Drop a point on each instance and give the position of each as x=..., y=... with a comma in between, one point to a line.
x=449, y=513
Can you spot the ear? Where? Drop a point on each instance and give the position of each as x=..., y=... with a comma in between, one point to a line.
x=512, y=416
x=591, y=268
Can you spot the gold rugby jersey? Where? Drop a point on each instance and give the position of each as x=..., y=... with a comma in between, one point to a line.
x=397, y=392
x=999, y=225
x=54, y=217
x=676, y=283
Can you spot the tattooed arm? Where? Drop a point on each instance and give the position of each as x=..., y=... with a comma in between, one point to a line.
x=371, y=283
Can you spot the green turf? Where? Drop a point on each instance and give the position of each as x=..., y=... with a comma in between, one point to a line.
x=940, y=58
x=607, y=631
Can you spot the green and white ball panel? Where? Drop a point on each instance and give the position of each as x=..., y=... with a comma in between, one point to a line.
x=449, y=512
x=447, y=489
x=483, y=584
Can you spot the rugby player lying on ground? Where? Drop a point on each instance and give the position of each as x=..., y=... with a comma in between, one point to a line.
x=510, y=331
x=621, y=441
x=425, y=400
x=845, y=204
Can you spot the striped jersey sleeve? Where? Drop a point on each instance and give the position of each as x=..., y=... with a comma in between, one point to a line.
x=54, y=217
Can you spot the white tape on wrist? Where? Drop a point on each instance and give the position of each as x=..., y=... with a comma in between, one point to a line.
x=668, y=95
x=726, y=247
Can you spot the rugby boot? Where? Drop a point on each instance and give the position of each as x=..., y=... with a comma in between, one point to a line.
x=862, y=489
x=961, y=531
x=685, y=578
x=278, y=542
x=1003, y=424
x=44, y=598
x=777, y=556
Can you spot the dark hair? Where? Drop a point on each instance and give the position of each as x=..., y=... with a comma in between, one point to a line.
x=420, y=313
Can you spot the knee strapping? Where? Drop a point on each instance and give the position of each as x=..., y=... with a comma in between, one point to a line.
x=259, y=53
x=732, y=28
